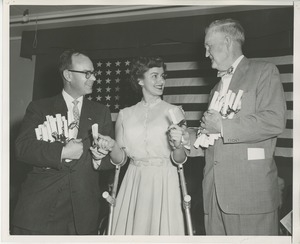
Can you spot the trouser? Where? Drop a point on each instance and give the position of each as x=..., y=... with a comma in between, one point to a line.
x=219, y=223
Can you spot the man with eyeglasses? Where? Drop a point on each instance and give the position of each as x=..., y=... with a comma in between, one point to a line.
x=61, y=194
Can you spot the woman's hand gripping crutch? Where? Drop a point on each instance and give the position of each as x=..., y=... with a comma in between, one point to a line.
x=103, y=145
x=178, y=137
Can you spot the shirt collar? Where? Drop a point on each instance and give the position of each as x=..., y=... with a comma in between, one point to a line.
x=236, y=62
x=69, y=99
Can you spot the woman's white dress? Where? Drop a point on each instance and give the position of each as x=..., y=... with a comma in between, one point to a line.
x=149, y=200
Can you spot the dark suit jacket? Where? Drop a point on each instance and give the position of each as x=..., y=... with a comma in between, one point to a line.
x=41, y=188
x=245, y=185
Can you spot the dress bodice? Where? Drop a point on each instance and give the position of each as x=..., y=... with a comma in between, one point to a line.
x=144, y=130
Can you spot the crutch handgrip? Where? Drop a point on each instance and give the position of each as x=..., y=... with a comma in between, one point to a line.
x=108, y=198
x=187, y=201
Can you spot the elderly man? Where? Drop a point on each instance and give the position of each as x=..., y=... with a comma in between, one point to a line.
x=61, y=194
x=240, y=187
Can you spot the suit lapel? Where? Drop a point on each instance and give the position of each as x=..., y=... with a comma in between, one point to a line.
x=60, y=106
x=237, y=78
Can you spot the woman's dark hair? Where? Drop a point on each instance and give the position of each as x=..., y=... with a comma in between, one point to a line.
x=140, y=66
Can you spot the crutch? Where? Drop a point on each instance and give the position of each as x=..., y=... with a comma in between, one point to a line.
x=186, y=199
x=177, y=117
x=111, y=199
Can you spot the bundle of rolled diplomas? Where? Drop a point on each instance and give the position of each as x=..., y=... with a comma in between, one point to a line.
x=55, y=129
x=227, y=106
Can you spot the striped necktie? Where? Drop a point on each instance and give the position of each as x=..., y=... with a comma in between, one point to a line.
x=76, y=113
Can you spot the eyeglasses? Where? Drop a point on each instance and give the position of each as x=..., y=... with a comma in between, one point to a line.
x=88, y=74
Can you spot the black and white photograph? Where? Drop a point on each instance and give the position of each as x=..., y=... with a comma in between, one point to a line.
x=150, y=122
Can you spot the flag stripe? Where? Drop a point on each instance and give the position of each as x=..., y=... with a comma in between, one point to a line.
x=284, y=142
x=289, y=124
x=171, y=90
x=283, y=152
x=287, y=133
x=208, y=72
x=286, y=79
x=192, y=81
x=174, y=66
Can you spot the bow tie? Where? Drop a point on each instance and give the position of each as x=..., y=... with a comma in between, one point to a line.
x=225, y=72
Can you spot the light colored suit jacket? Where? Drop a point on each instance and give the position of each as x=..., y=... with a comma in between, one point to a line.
x=240, y=165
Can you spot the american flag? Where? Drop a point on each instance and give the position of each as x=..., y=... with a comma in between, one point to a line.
x=188, y=84
x=111, y=87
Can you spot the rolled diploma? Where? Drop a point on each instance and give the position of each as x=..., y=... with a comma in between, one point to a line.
x=211, y=140
x=95, y=131
x=215, y=136
x=45, y=133
x=213, y=100
x=227, y=97
x=230, y=116
x=38, y=133
x=59, y=124
x=50, y=137
x=200, y=140
x=52, y=124
x=40, y=128
x=205, y=141
x=237, y=99
x=65, y=124
x=176, y=115
x=231, y=99
x=221, y=102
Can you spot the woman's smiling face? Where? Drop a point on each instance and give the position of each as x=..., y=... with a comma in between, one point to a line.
x=153, y=82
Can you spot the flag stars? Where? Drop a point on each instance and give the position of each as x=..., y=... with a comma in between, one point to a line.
x=108, y=64
x=98, y=98
x=108, y=97
x=117, y=98
x=117, y=106
x=107, y=105
x=108, y=72
x=118, y=80
x=127, y=62
x=99, y=64
x=117, y=88
x=108, y=81
x=90, y=98
x=99, y=72
x=118, y=63
x=99, y=89
x=127, y=71
x=108, y=89
x=118, y=71
x=99, y=81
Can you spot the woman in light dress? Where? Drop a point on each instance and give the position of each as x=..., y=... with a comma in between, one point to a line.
x=149, y=200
